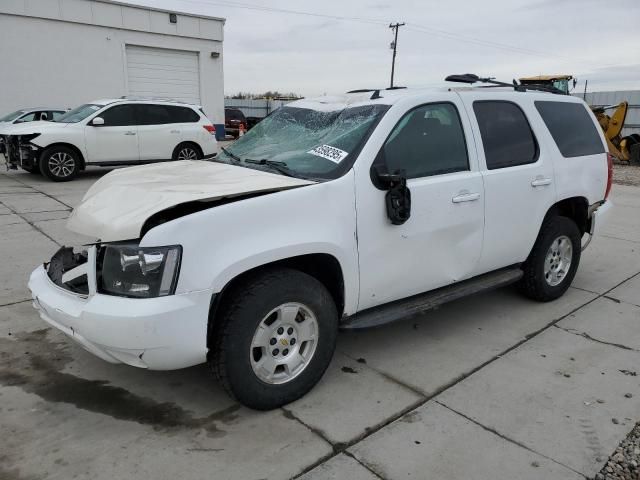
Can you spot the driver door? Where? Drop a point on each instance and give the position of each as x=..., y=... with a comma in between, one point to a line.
x=441, y=241
x=117, y=139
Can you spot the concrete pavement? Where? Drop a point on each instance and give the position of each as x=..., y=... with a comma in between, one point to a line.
x=489, y=387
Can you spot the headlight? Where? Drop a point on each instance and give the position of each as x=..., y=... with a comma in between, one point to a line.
x=142, y=272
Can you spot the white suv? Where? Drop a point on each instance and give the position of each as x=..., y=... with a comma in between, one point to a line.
x=348, y=211
x=110, y=133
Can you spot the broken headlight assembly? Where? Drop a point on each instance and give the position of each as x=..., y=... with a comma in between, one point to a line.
x=128, y=270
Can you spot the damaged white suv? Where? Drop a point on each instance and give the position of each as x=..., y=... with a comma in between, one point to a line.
x=337, y=212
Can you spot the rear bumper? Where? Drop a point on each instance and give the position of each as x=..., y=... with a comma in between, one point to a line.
x=599, y=214
x=164, y=333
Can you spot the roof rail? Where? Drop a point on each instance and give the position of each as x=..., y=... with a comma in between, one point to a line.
x=518, y=87
x=153, y=99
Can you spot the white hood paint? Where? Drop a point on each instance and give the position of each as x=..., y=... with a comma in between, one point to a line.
x=116, y=206
x=7, y=128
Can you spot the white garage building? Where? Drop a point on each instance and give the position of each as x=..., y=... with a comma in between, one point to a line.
x=62, y=53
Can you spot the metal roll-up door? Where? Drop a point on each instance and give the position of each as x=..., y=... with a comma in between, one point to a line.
x=163, y=73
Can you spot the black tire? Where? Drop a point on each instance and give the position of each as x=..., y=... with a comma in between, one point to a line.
x=53, y=158
x=35, y=169
x=188, y=150
x=244, y=308
x=533, y=283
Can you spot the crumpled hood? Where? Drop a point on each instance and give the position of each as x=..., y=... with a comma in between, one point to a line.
x=117, y=206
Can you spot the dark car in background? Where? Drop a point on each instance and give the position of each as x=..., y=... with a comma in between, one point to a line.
x=234, y=120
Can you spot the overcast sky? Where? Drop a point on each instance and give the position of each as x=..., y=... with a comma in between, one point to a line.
x=598, y=40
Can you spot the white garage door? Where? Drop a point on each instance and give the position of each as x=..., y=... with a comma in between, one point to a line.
x=163, y=73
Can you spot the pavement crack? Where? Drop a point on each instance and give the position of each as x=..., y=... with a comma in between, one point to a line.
x=31, y=224
x=589, y=337
x=43, y=193
x=15, y=303
x=365, y=465
x=505, y=438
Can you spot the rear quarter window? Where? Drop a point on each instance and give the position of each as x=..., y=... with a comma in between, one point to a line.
x=571, y=127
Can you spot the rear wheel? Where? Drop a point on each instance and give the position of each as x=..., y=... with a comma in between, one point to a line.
x=187, y=151
x=274, y=337
x=552, y=264
x=59, y=163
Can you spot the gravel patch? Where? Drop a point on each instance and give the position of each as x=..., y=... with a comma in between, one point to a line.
x=625, y=461
x=626, y=174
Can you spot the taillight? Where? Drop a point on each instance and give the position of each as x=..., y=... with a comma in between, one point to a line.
x=210, y=128
x=609, y=175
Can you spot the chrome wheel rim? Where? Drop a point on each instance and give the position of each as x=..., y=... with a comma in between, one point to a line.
x=558, y=260
x=187, y=154
x=284, y=343
x=61, y=164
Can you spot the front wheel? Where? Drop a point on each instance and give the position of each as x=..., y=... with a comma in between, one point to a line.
x=553, y=262
x=35, y=169
x=274, y=337
x=59, y=163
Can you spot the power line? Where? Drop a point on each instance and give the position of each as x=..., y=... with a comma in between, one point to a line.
x=411, y=26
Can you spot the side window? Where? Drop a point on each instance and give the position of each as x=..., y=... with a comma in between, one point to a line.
x=29, y=117
x=55, y=114
x=153, y=114
x=183, y=115
x=506, y=134
x=571, y=127
x=428, y=140
x=119, y=116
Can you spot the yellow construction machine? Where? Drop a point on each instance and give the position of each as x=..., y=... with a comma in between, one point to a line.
x=624, y=149
x=559, y=83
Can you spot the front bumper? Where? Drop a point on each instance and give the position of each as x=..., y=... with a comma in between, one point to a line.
x=19, y=154
x=163, y=333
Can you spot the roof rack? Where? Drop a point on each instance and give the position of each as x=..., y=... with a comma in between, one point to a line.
x=376, y=91
x=518, y=87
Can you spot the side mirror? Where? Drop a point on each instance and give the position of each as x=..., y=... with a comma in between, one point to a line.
x=398, y=197
x=97, y=121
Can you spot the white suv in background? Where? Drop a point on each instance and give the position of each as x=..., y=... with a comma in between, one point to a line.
x=348, y=211
x=109, y=133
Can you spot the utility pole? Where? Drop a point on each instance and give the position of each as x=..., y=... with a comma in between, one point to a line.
x=394, y=45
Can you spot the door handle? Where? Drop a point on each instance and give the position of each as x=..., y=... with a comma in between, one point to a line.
x=175, y=131
x=129, y=133
x=541, y=182
x=465, y=197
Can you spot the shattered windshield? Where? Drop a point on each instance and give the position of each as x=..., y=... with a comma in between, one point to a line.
x=304, y=142
x=78, y=114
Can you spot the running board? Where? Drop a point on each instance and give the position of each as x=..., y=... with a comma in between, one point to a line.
x=394, y=311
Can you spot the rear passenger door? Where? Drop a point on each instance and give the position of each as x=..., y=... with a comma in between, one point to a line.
x=157, y=135
x=518, y=176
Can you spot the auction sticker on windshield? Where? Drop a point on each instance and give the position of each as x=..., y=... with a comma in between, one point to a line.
x=330, y=153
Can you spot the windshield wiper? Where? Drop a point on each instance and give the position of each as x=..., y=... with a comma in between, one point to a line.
x=232, y=155
x=280, y=167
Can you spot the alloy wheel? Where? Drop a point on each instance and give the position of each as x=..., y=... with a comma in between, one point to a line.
x=558, y=260
x=284, y=343
x=61, y=164
x=187, y=153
